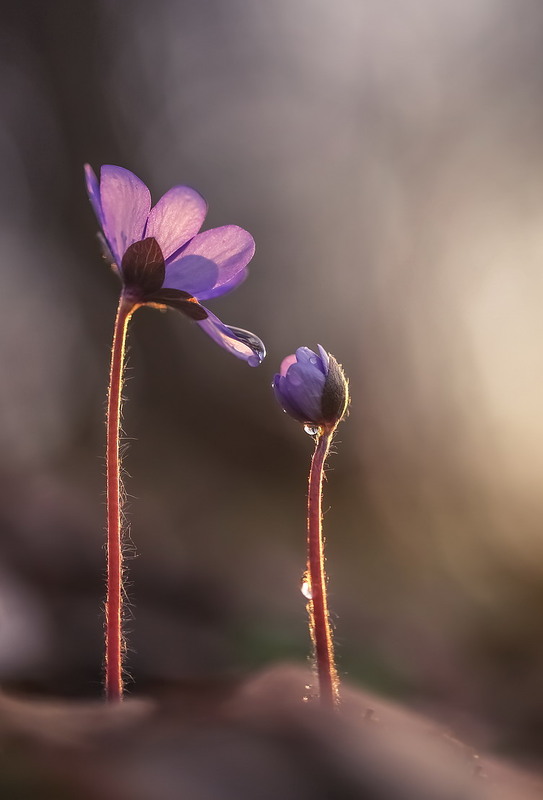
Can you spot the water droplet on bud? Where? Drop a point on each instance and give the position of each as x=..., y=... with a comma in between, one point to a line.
x=312, y=430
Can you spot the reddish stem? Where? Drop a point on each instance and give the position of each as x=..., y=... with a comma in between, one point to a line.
x=114, y=642
x=318, y=605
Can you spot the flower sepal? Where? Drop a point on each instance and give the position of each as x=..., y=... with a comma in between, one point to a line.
x=181, y=301
x=143, y=267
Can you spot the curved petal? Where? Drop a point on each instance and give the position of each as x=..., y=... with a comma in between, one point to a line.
x=125, y=203
x=212, y=263
x=93, y=191
x=324, y=358
x=306, y=356
x=242, y=344
x=286, y=363
x=176, y=218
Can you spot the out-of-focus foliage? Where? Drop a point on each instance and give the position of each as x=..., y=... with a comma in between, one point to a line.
x=227, y=739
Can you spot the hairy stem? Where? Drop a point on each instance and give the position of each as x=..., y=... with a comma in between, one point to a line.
x=318, y=604
x=114, y=640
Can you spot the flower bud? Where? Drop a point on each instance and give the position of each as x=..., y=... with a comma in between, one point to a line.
x=312, y=388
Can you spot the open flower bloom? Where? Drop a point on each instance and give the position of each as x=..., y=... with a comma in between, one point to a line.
x=163, y=260
x=312, y=388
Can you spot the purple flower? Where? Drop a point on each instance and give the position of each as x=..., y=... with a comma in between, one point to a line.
x=312, y=388
x=162, y=259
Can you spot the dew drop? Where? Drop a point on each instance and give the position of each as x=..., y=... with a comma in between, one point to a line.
x=306, y=590
x=251, y=341
x=312, y=430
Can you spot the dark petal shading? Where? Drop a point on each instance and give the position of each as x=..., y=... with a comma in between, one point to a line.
x=181, y=301
x=143, y=266
x=195, y=277
x=229, y=249
x=227, y=286
x=242, y=344
x=335, y=395
x=199, y=274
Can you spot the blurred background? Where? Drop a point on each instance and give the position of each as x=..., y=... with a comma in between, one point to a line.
x=388, y=159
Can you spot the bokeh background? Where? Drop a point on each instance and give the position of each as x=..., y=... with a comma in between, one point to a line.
x=388, y=159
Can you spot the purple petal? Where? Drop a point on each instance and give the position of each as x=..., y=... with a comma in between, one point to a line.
x=227, y=286
x=195, y=275
x=93, y=191
x=306, y=356
x=286, y=363
x=284, y=400
x=325, y=358
x=304, y=384
x=212, y=263
x=240, y=343
x=125, y=202
x=176, y=218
